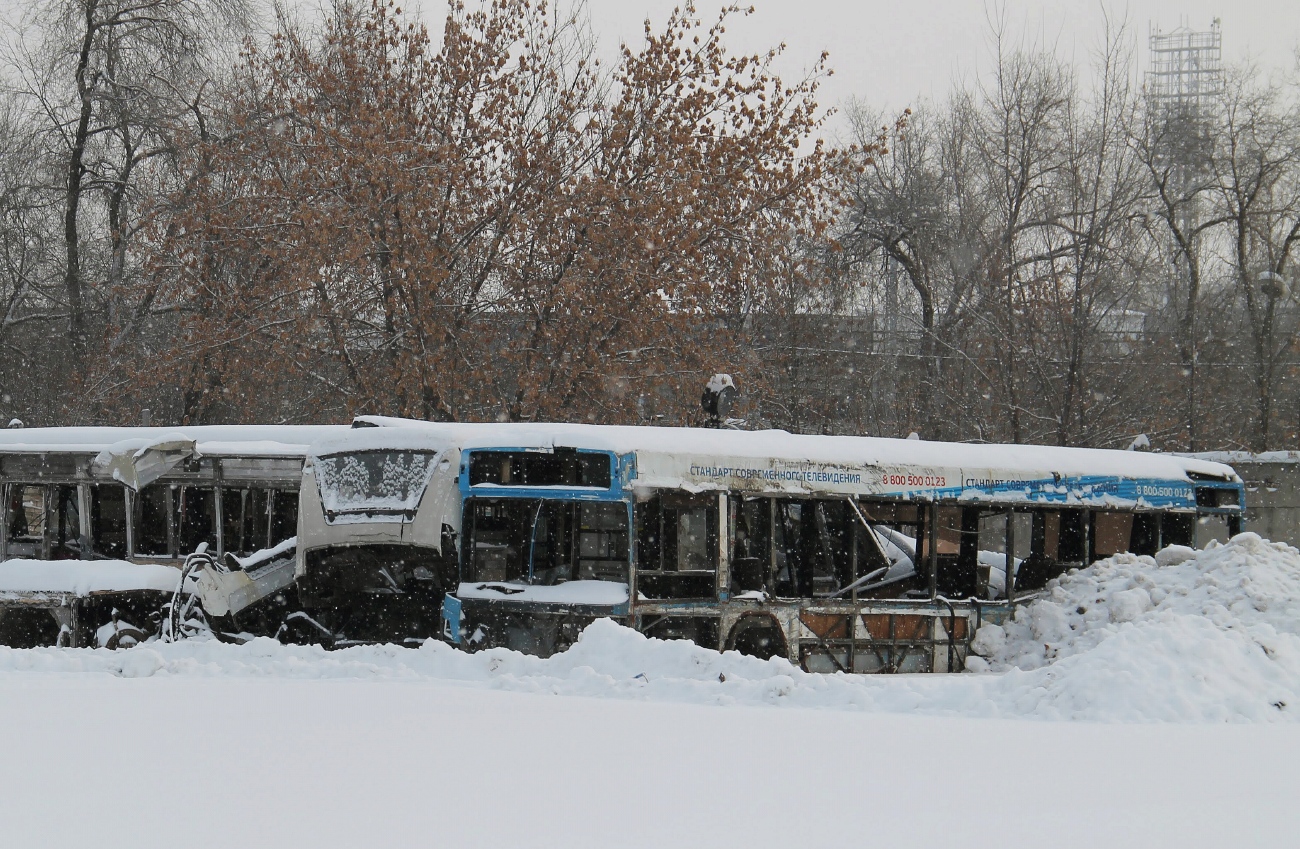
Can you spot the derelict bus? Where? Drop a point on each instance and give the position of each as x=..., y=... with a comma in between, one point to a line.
x=841, y=553
x=98, y=519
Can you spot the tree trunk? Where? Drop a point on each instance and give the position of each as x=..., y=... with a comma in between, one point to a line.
x=72, y=281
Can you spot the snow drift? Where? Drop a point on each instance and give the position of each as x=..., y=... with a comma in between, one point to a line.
x=1186, y=636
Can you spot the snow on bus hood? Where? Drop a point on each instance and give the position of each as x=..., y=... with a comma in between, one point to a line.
x=83, y=577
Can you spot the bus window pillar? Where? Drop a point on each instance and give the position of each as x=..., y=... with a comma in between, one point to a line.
x=932, y=547
x=853, y=567
x=1011, y=556
x=50, y=522
x=130, y=522
x=4, y=521
x=723, y=586
x=218, y=509
x=633, y=554
x=769, y=585
x=83, y=521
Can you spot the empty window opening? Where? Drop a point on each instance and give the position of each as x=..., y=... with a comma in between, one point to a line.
x=284, y=515
x=26, y=513
x=196, y=514
x=677, y=545
x=66, y=544
x=535, y=468
x=153, y=528
x=547, y=542
x=108, y=520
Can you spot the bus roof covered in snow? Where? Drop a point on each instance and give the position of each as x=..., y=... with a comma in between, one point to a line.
x=209, y=440
x=698, y=459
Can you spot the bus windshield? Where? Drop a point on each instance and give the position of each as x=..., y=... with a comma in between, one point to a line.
x=374, y=482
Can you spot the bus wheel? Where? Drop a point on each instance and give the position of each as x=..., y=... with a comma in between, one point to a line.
x=758, y=636
x=301, y=629
x=124, y=638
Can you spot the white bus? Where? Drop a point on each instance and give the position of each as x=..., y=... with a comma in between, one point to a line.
x=97, y=519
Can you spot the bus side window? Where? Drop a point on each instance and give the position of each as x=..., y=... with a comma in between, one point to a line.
x=108, y=520
x=25, y=521
x=750, y=544
x=826, y=553
x=1145, y=538
x=1074, y=536
x=232, y=520
x=678, y=544
x=196, y=513
x=602, y=541
x=500, y=539
x=1044, y=560
x=789, y=553
x=153, y=520
x=284, y=515
x=257, y=520
x=649, y=535
x=693, y=553
x=1178, y=529
x=67, y=540
x=955, y=532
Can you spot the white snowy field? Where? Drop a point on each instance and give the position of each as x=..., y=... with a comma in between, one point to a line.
x=1141, y=703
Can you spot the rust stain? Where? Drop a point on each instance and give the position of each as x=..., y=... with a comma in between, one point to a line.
x=827, y=626
x=906, y=628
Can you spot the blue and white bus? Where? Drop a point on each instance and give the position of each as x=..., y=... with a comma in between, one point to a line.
x=841, y=553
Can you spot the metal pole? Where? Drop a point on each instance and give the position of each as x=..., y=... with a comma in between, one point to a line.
x=633, y=556
x=74, y=638
x=932, y=552
x=4, y=521
x=853, y=559
x=128, y=505
x=853, y=577
x=1011, y=556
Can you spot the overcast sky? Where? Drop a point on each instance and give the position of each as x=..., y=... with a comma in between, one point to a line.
x=891, y=53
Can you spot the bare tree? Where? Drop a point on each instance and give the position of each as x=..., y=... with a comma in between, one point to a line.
x=109, y=81
x=1257, y=183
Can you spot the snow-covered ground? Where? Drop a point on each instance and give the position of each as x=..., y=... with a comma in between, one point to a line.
x=1187, y=673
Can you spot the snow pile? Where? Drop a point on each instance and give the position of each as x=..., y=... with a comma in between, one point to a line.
x=1187, y=636
x=1210, y=635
